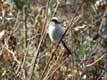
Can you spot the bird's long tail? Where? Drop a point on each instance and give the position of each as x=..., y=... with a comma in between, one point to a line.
x=66, y=48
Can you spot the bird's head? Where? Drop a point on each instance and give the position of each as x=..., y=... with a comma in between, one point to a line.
x=55, y=20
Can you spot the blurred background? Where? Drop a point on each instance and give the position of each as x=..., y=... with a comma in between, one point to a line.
x=23, y=23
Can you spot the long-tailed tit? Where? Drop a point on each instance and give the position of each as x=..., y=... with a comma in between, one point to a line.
x=56, y=30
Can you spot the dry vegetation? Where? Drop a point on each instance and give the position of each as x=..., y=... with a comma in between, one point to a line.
x=26, y=52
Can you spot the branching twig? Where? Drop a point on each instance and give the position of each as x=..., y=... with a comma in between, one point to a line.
x=41, y=40
x=25, y=42
x=96, y=61
x=11, y=52
x=58, y=66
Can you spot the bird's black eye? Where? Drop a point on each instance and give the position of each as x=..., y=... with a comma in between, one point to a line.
x=55, y=21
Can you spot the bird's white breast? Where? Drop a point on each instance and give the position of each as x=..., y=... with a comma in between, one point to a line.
x=55, y=32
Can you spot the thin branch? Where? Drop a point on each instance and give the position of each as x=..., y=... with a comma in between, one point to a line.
x=58, y=66
x=11, y=52
x=96, y=61
x=25, y=42
x=41, y=40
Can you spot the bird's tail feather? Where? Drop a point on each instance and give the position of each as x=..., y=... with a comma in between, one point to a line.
x=68, y=50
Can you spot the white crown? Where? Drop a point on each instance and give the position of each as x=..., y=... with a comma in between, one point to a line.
x=55, y=18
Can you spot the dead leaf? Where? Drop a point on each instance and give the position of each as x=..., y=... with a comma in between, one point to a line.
x=1, y=4
x=6, y=55
x=2, y=27
x=6, y=8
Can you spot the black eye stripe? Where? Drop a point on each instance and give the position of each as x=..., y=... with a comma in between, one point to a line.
x=54, y=20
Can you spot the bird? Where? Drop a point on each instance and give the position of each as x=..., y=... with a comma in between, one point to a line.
x=56, y=31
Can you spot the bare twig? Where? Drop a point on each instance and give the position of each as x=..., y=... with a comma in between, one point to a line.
x=11, y=52
x=102, y=21
x=41, y=40
x=25, y=42
x=96, y=61
x=58, y=66
x=16, y=25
